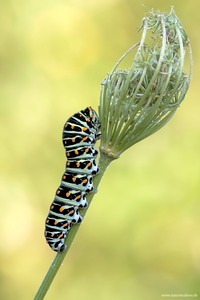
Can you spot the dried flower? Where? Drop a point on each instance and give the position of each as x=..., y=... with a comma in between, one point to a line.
x=137, y=102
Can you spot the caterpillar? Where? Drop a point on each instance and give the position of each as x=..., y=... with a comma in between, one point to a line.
x=80, y=133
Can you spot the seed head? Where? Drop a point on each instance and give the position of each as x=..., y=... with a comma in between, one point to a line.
x=138, y=101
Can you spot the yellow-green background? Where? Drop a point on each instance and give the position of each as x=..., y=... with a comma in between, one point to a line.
x=141, y=236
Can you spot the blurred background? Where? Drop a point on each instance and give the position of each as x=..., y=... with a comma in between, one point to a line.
x=140, y=238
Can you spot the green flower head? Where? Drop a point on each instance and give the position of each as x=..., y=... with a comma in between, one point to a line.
x=138, y=101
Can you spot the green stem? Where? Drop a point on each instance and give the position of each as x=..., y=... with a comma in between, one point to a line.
x=48, y=279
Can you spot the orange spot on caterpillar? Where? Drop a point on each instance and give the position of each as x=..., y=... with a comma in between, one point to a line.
x=76, y=152
x=73, y=179
x=61, y=209
x=52, y=235
x=78, y=197
x=73, y=140
x=67, y=194
x=72, y=126
x=86, y=150
x=84, y=128
x=56, y=222
x=78, y=164
x=71, y=212
x=90, y=109
x=89, y=164
x=52, y=206
x=84, y=139
x=58, y=192
x=60, y=236
x=64, y=177
x=65, y=225
x=84, y=181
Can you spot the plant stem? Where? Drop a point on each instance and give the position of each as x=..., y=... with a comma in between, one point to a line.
x=48, y=279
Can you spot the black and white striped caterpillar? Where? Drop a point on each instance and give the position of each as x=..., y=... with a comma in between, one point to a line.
x=80, y=133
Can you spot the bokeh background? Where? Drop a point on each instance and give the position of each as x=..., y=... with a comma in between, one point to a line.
x=140, y=238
